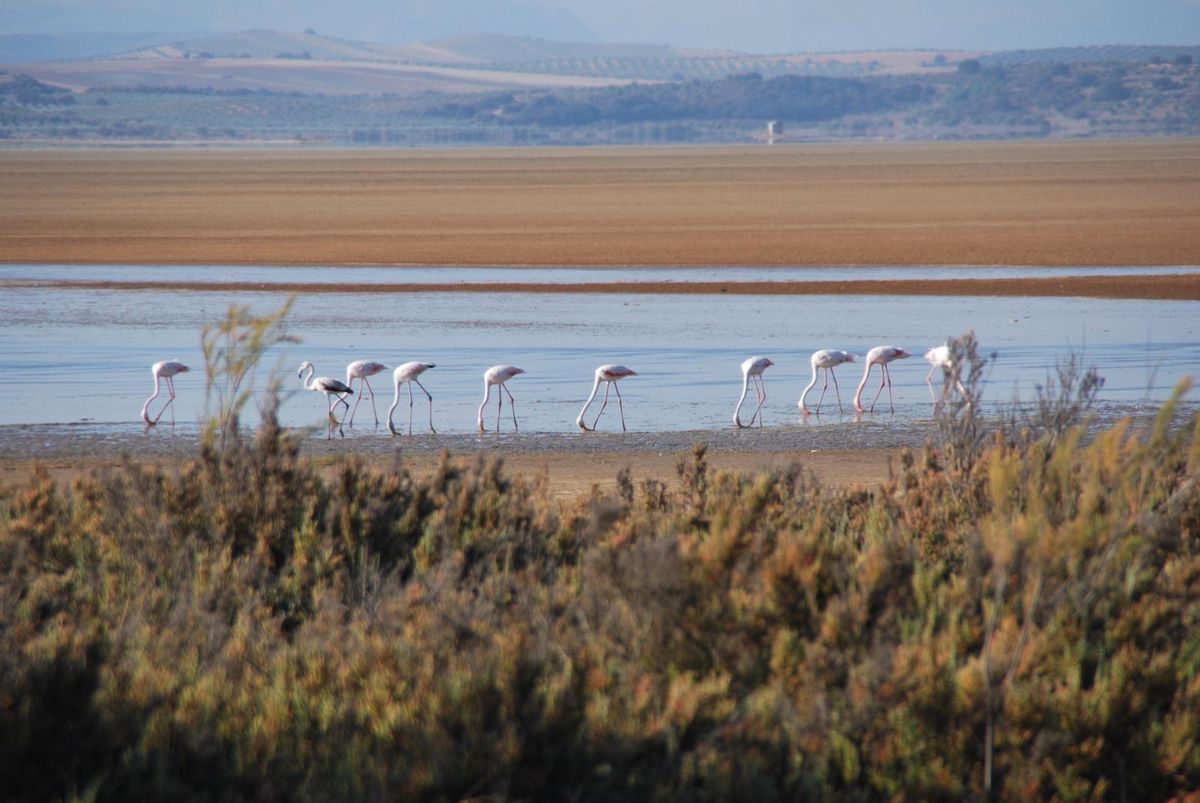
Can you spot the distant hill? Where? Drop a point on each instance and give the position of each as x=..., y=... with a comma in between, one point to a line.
x=308, y=62
x=28, y=48
x=1098, y=54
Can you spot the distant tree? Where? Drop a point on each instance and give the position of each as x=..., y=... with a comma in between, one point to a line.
x=1183, y=60
x=1156, y=59
x=1060, y=70
x=940, y=60
x=969, y=67
x=1111, y=90
x=311, y=31
x=1086, y=79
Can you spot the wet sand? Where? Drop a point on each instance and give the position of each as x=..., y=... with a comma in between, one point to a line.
x=573, y=463
x=1131, y=202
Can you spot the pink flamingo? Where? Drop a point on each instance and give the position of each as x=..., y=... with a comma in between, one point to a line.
x=827, y=359
x=939, y=357
x=498, y=375
x=164, y=370
x=361, y=369
x=335, y=392
x=609, y=374
x=881, y=355
x=408, y=373
x=752, y=367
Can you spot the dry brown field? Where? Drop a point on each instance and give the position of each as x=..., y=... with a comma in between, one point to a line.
x=1027, y=203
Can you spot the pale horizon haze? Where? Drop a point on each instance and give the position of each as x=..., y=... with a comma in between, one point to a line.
x=758, y=26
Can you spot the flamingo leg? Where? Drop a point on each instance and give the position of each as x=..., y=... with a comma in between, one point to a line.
x=356, y=401
x=410, y=406
x=372, y=391
x=761, y=390
x=512, y=405
x=621, y=406
x=929, y=381
x=607, y=385
x=430, y=395
x=499, y=404
x=836, y=390
x=824, y=387
x=882, y=382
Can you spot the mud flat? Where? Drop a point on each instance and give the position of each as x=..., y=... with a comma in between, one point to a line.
x=1128, y=202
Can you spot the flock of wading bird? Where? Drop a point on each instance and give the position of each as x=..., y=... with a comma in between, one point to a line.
x=409, y=374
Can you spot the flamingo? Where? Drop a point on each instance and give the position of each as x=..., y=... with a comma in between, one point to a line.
x=498, y=375
x=361, y=369
x=827, y=359
x=939, y=357
x=609, y=374
x=409, y=373
x=164, y=370
x=881, y=355
x=752, y=367
x=335, y=392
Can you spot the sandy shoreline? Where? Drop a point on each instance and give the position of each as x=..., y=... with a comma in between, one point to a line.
x=838, y=455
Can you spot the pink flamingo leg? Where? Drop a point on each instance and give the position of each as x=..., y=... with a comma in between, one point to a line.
x=621, y=405
x=607, y=385
x=356, y=401
x=170, y=399
x=367, y=382
x=823, y=389
x=761, y=390
x=512, y=405
x=836, y=390
x=430, y=395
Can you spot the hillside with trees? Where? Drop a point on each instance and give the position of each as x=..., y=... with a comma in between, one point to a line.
x=970, y=98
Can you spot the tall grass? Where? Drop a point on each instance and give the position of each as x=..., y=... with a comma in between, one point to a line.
x=1023, y=626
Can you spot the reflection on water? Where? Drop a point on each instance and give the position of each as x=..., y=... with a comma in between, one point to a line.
x=84, y=356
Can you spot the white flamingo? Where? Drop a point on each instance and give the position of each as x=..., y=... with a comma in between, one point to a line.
x=407, y=374
x=752, y=368
x=164, y=371
x=827, y=359
x=498, y=375
x=881, y=356
x=939, y=357
x=608, y=374
x=361, y=369
x=335, y=392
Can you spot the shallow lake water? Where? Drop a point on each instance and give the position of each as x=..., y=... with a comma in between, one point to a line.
x=84, y=355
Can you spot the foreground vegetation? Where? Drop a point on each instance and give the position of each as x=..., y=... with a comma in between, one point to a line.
x=1016, y=613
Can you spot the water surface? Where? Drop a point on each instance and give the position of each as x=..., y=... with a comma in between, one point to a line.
x=84, y=355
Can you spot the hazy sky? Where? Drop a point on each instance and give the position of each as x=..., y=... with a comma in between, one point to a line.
x=765, y=26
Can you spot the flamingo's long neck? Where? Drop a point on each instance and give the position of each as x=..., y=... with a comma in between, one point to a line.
x=487, y=394
x=862, y=384
x=586, y=404
x=308, y=380
x=810, y=385
x=146, y=406
x=745, y=388
x=395, y=403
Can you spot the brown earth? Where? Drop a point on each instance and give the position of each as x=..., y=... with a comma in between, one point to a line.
x=569, y=475
x=1132, y=202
